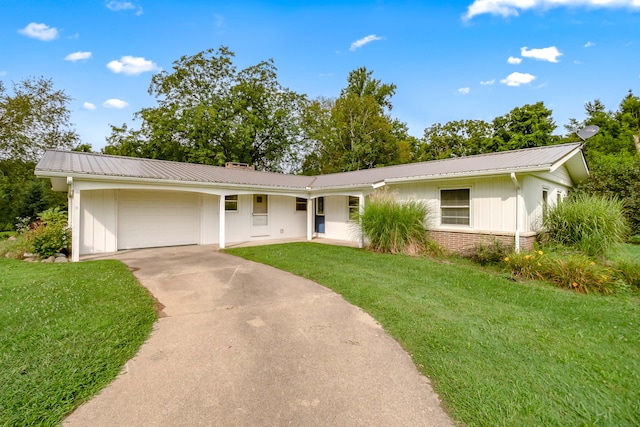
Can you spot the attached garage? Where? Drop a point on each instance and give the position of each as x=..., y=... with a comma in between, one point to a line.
x=157, y=218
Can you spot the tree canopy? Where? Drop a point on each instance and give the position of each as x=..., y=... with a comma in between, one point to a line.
x=209, y=112
x=355, y=131
x=34, y=118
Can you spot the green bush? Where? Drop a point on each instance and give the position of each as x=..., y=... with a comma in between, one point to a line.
x=588, y=223
x=629, y=272
x=393, y=226
x=573, y=271
x=489, y=254
x=52, y=234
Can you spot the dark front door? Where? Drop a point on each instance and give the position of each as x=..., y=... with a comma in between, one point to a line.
x=319, y=215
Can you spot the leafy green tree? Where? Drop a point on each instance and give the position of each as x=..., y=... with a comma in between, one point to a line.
x=355, y=131
x=454, y=139
x=208, y=112
x=528, y=126
x=33, y=118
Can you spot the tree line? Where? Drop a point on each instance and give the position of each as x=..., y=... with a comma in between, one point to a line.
x=210, y=112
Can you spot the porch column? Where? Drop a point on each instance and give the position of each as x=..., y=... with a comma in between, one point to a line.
x=222, y=223
x=309, y=219
x=74, y=214
x=360, y=211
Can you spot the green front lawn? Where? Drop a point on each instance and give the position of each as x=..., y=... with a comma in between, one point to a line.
x=67, y=330
x=499, y=353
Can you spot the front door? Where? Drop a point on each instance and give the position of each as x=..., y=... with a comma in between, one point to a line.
x=260, y=215
x=319, y=217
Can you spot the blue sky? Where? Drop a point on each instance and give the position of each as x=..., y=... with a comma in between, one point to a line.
x=454, y=61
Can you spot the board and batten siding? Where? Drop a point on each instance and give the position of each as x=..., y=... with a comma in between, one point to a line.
x=98, y=214
x=283, y=220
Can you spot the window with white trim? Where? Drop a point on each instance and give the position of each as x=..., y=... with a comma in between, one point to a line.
x=231, y=203
x=301, y=204
x=455, y=207
x=354, y=207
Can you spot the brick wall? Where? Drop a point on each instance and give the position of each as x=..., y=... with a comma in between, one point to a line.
x=463, y=241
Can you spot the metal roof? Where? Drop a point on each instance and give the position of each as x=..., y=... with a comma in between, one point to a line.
x=73, y=163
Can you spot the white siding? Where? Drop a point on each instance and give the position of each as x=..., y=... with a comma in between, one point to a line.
x=337, y=223
x=283, y=220
x=97, y=222
x=209, y=220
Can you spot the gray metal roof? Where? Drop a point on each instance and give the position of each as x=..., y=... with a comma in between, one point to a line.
x=72, y=163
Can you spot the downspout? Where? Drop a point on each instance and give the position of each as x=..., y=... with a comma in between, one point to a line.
x=517, y=237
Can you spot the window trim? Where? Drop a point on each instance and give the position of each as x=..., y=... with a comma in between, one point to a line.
x=230, y=200
x=467, y=206
x=353, y=210
x=301, y=204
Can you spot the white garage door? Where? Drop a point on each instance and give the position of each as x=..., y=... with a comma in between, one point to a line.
x=157, y=218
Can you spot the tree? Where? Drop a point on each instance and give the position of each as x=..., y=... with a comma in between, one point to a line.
x=34, y=118
x=208, y=112
x=454, y=139
x=355, y=131
x=523, y=127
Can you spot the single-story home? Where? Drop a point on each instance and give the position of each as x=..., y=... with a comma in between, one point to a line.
x=118, y=203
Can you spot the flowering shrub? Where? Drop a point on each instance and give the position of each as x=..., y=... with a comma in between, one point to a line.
x=570, y=271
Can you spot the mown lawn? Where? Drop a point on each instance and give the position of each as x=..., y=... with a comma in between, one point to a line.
x=67, y=330
x=499, y=353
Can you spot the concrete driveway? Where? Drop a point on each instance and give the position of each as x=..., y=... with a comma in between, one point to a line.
x=243, y=344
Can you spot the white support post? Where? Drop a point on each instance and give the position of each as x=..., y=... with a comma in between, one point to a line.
x=74, y=210
x=222, y=222
x=360, y=211
x=309, y=219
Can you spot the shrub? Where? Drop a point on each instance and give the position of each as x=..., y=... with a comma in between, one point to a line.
x=629, y=272
x=488, y=254
x=590, y=224
x=574, y=271
x=392, y=226
x=52, y=234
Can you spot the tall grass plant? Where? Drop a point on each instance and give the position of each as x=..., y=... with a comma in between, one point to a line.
x=394, y=226
x=588, y=223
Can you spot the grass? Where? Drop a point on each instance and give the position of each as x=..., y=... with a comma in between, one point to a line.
x=67, y=330
x=499, y=353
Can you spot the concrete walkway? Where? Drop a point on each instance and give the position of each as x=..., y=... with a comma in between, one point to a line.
x=243, y=344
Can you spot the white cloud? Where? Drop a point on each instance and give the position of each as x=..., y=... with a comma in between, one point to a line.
x=550, y=54
x=359, y=43
x=589, y=44
x=517, y=79
x=464, y=90
x=131, y=65
x=488, y=82
x=89, y=106
x=115, y=103
x=514, y=60
x=219, y=20
x=40, y=31
x=118, y=6
x=77, y=56
x=506, y=8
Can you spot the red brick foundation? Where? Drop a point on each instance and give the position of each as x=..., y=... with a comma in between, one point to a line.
x=463, y=241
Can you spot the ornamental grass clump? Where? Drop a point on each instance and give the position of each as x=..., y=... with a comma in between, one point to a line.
x=573, y=271
x=588, y=223
x=394, y=226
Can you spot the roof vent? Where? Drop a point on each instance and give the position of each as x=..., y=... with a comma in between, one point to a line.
x=237, y=165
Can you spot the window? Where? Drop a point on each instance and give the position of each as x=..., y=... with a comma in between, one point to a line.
x=231, y=203
x=354, y=208
x=301, y=204
x=454, y=206
x=320, y=206
x=545, y=197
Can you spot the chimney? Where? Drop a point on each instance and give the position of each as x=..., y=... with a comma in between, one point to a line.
x=237, y=165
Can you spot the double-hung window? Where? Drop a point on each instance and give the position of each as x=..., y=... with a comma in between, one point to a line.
x=354, y=207
x=455, y=207
x=231, y=203
x=301, y=204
